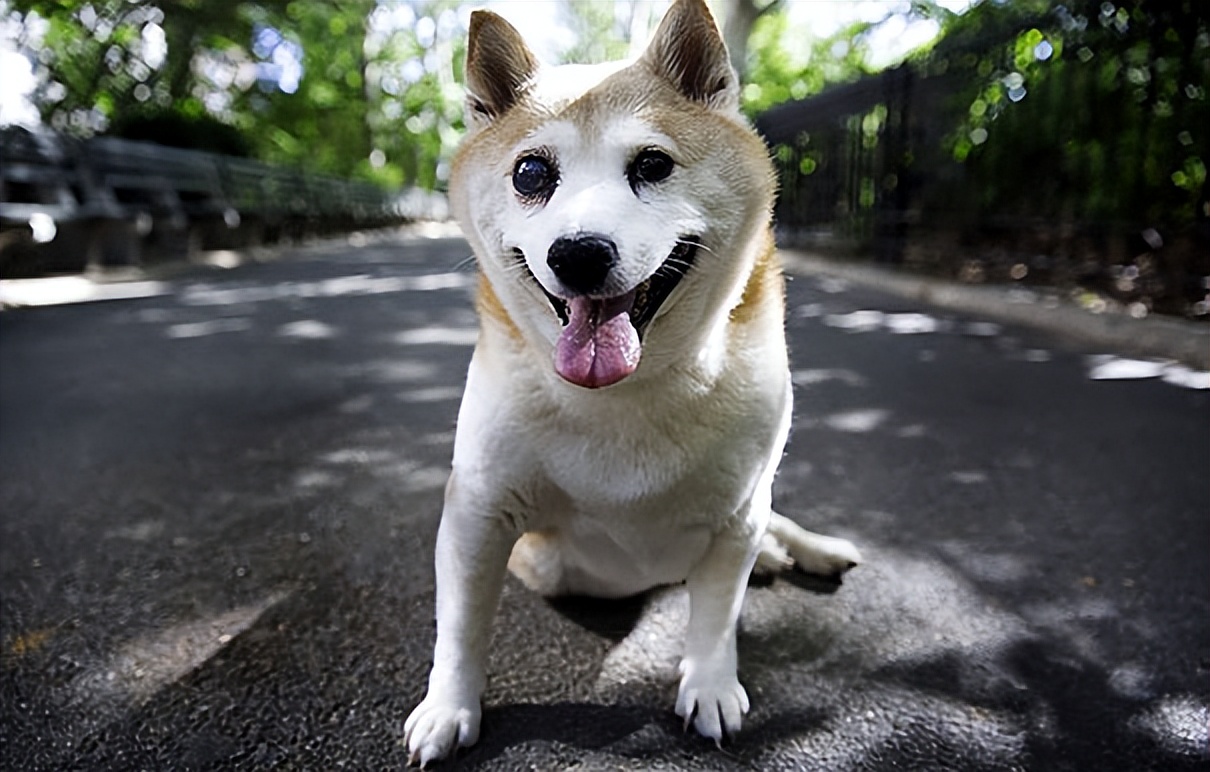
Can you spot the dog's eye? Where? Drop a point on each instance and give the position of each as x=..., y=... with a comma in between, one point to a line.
x=534, y=176
x=649, y=166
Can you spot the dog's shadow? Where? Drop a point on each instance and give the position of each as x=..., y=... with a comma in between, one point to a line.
x=815, y=583
x=508, y=729
x=609, y=618
x=615, y=618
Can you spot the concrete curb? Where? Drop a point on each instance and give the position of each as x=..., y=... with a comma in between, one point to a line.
x=1154, y=336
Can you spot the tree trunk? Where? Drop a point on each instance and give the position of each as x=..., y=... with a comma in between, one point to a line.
x=739, y=16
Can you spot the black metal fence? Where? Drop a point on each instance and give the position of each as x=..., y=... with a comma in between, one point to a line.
x=66, y=204
x=1068, y=149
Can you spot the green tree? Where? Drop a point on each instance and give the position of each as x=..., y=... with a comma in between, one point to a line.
x=739, y=17
x=1110, y=100
x=416, y=104
x=356, y=88
x=784, y=63
x=319, y=121
x=106, y=61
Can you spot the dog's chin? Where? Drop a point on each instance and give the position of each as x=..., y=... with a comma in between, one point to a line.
x=602, y=337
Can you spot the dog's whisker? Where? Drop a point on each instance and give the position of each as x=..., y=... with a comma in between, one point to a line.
x=673, y=269
x=692, y=243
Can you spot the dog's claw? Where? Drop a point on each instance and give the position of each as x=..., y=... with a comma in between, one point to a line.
x=714, y=706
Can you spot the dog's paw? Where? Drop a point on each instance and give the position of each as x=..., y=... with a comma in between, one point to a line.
x=813, y=552
x=714, y=702
x=437, y=726
x=824, y=555
x=773, y=557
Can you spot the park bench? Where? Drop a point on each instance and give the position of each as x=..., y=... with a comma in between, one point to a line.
x=70, y=205
x=54, y=215
x=177, y=192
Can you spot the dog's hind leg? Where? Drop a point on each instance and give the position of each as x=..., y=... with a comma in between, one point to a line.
x=813, y=552
x=773, y=558
x=538, y=562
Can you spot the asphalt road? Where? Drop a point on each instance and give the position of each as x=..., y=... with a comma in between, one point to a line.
x=218, y=506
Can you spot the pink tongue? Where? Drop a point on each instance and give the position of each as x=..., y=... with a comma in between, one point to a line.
x=599, y=346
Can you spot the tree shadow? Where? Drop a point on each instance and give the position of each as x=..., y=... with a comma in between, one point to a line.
x=584, y=726
x=1071, y=716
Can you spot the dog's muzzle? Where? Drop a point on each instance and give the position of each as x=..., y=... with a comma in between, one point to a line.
x=602, y=337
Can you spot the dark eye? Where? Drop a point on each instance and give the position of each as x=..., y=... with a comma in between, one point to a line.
x=649, y=166
x=534, y=176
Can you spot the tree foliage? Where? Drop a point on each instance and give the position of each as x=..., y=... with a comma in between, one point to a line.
x=1062, y=142
x=602, y=31
x=355, y=88
x=363, y=88
x=1107, y=100
x=781, y=65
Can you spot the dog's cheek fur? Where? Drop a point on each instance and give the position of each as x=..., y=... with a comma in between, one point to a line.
x=732, y=193
x=480, y=199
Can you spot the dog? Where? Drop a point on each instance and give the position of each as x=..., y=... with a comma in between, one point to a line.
x=628, y=398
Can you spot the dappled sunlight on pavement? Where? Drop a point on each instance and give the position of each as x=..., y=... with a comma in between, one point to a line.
x=217, y=541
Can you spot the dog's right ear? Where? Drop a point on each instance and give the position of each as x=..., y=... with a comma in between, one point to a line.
x=689, y=53
x=499, y=67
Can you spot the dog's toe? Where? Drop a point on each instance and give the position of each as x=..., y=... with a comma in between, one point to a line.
x=436, y=728
x=714, y=705
x=773, y=558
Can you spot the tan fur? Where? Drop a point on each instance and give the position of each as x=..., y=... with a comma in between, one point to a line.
x=490, y=308
x=766, y=284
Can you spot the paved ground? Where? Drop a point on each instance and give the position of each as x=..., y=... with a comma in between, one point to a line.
x=218, y=505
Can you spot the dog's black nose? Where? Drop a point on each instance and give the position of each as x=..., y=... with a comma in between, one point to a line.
x=583, y=261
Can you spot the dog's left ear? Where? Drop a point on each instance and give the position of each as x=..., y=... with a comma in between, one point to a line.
x=688, y=51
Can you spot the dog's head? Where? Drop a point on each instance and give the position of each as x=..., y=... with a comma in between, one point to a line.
x=613, y=208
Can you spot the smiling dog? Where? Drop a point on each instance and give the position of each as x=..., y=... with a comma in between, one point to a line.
x=629, y=395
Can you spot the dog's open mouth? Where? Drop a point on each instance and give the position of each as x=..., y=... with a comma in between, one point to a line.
x=602, y=337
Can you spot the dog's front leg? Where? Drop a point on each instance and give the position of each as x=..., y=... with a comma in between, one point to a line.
x=710, y=694
x=473, y=545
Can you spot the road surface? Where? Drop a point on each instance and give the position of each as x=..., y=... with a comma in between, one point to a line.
x=218, y=503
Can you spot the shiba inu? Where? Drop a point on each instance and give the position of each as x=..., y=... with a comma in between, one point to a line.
x=629, y=397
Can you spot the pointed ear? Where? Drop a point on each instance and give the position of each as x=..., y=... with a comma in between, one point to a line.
x=499, y=67
x=688, y=51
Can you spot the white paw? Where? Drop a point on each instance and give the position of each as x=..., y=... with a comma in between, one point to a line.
x=715, y=703
x=828, y=556
x=437, y=726
x=824, y=555
x=773, y=557
x=813, y=552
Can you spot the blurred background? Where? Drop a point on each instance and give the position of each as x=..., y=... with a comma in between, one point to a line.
x=1018, y=141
